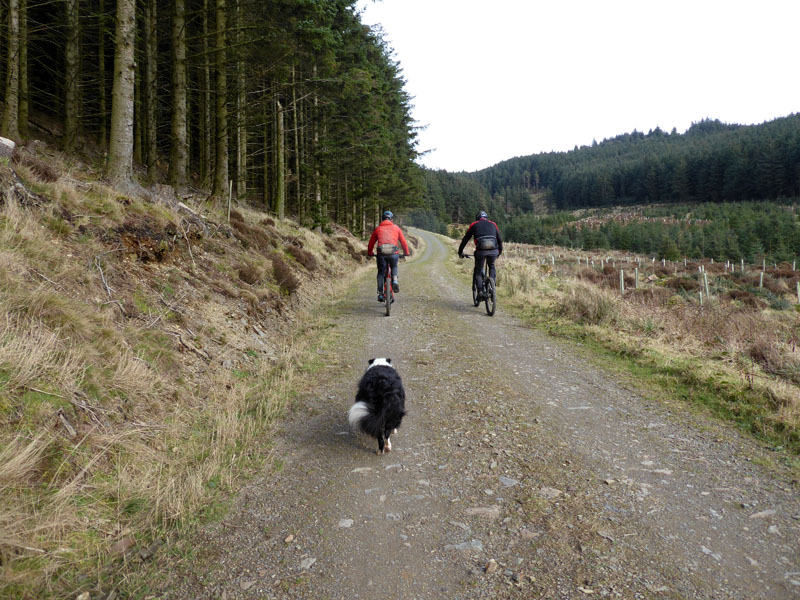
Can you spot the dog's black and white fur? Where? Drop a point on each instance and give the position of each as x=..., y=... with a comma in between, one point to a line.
x=380, y=403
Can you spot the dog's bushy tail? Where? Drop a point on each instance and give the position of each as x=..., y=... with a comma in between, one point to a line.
x=374, y=420
x=357, y=414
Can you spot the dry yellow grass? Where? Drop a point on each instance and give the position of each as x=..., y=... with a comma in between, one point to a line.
x=749, y=354
x=133, y=396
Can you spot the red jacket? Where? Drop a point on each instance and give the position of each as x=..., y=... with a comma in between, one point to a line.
x=387, y=233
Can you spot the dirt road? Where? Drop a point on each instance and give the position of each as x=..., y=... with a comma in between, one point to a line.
x=521, y=471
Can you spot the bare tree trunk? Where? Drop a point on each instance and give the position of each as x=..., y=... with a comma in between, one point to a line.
x=179, y=154
x=280, y=162
x=120, y=154
x=267, y=198
x=206, y=139
x=221, y=166
x=296, y=126
x=101, y=75
x=138, y=153
x=24, y=95
x=149, y=87
x=10, y=124
x=72, y=70
x=241, y=109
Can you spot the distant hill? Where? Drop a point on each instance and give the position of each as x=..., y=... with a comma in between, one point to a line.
x=711, y=162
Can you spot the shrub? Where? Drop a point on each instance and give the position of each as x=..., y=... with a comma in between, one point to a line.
x=588, y=304
x=304, y=257
x=253, y=236
x=284, y=277
x=687, y=284
x=249, y=274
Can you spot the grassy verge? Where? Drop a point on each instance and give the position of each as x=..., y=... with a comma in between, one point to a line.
x=143, y=358
x=707, y=358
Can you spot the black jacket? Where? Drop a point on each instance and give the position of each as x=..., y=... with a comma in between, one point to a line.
x=479, y=229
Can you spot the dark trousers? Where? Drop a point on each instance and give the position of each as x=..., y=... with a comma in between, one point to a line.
x=488, y=256
x=383, y=260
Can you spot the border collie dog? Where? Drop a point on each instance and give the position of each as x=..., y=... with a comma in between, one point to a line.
x=380, y=403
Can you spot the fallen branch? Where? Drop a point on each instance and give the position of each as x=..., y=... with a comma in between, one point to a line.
x=67, y=425
x=201, y=353
x=54, y=284
x=102, y=276
x=188, y=245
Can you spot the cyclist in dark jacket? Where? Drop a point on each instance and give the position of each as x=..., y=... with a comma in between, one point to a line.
x=488, y=246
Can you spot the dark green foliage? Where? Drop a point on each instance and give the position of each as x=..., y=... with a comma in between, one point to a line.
x=349, y=142
x=749, y=231
x=711, y=162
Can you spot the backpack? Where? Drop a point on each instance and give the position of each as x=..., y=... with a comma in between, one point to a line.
x=486, y=242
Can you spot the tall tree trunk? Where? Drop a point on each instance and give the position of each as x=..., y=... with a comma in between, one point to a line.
x=72, y=71
x=241, y=108
x=317, y=188
x=101, y=73
x=267, y=196
x=296, y=126
x=10, y=124
x=221, y=163
x=206, y=139
x=179, y=152
x=24, y=92
x=138, y=121
x=120, y=153
x=280, y=162
x=149, y=87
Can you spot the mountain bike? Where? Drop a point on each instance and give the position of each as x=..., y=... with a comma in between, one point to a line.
x=487, y=292
x=388, y=292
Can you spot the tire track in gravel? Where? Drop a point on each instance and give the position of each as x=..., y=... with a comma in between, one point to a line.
x=515, y=449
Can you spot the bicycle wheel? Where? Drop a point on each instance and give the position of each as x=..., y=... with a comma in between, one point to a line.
x=491, y=300
x=388, y=295
x=475, y=299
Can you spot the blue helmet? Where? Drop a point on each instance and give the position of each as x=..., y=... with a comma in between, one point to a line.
x=387, y=214
x=481, y=215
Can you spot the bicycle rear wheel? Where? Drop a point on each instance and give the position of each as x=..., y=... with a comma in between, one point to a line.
x=388, y=295
x=491, y=300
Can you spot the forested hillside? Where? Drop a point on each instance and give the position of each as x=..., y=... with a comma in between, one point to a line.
x=711, y=162
x=294, y=106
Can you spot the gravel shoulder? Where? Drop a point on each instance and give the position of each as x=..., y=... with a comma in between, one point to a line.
x=521, y=471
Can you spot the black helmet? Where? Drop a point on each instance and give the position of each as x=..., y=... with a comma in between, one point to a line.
x=481, y=215
x=387, y=214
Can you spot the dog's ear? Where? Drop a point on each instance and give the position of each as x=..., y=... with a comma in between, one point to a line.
x=389, y=360
x=370, y=361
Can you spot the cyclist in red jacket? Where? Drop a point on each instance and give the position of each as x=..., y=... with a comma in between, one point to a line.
x=488, y=246
x=389, y=237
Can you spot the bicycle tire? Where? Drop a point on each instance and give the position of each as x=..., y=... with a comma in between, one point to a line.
x=388, y=295
x=491, y=299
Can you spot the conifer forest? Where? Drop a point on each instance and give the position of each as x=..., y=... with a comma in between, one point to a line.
x=294, y=106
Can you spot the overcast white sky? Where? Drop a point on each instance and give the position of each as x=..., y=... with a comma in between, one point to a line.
x=494, y=79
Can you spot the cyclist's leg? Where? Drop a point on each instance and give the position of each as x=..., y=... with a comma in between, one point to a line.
x=394, y=260
x=477, y=274
x=492, y=272
x=381, y=272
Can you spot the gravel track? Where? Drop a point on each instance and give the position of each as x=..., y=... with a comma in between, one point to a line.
x=521, y=471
